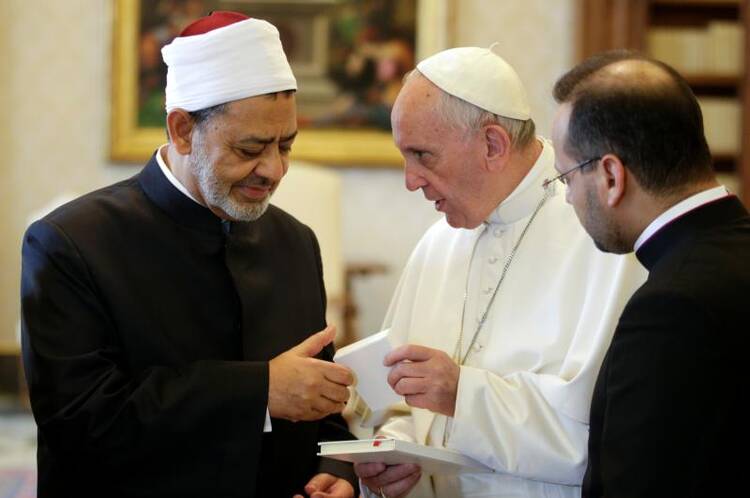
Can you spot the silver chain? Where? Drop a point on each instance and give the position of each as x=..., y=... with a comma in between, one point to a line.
x=457, y=354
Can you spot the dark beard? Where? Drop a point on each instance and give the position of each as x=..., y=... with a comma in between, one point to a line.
x=605, y=233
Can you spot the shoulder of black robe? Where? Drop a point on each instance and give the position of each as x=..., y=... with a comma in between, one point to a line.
x=135, y=345
x=666, y=410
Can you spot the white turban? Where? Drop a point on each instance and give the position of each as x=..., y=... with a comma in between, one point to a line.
x=481, y=77
x=233, y=62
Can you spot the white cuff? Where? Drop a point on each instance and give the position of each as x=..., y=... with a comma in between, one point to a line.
x=267, y=425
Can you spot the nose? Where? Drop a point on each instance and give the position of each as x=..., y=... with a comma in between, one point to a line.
x=413, y=180
x=273, y=165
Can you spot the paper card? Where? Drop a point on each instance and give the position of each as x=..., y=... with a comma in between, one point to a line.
x=365, y=358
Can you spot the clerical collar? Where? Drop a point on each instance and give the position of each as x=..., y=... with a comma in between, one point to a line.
x=685, y=228
x=178, y=206
x=525, y=197
x=170, y=176
x=682, y=207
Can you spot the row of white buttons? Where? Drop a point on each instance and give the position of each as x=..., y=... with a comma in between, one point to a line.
x=497, y=232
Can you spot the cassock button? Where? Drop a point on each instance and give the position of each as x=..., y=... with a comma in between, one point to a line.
x=492, y=260
x=498, y=232
x=477, y=347
x=488, y=290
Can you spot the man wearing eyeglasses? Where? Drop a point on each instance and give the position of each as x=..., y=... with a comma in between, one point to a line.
x=505, y=307
x=667, y=417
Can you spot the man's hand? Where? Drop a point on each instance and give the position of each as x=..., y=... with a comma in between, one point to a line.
x=301, y=387
x=393, y=481
x=427, y=378
x=328, y=486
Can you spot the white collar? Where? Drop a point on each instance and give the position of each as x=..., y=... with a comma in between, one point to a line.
x=168, y=173
x=679, y=209
x=525, y=197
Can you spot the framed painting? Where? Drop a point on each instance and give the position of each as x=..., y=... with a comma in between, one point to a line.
x=349, y=58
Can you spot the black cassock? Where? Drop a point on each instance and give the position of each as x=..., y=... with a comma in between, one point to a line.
x=148, y=324
x=668, y=417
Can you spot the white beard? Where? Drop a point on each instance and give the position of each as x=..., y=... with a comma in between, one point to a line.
x=217, y=193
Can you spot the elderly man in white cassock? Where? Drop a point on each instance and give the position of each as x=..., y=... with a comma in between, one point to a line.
x=169, y=320
x=505, y=308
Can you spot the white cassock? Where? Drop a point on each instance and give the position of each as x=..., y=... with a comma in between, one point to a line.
x=525, y=389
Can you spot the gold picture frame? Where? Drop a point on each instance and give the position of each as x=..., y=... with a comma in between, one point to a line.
x=131, y=142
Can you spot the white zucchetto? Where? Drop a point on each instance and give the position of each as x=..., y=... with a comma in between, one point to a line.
x=221, y=59
x=481, y=77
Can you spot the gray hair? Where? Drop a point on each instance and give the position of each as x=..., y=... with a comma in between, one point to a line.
x=465, y=116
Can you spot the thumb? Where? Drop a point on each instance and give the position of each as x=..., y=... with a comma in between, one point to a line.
x=316, y=342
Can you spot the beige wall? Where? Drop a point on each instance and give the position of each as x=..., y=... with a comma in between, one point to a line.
x=55, y=94
x=54, y=126
x=537, y=37
x=7, y=274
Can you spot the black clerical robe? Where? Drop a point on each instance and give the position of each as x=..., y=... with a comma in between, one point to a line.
x=148, y=324
x=668, y=416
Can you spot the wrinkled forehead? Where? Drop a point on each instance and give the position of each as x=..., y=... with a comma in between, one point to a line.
x=418, y=90
x=416, y=102
x=263, y=115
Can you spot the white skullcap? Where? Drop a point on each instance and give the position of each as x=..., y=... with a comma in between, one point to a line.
x=481, y=77
x=232, y=62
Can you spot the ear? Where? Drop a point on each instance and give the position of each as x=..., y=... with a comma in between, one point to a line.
x=497, y=142
x=180, y=127
x=613, y=180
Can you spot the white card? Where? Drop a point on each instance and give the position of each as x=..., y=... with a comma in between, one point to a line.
x=365, y=358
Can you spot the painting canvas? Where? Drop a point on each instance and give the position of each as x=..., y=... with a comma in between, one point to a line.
x=349, y=57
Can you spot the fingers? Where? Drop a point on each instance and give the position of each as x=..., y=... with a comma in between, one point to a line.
x=335, y=393
x=341, y=488
x=323, y=406
x=420, y=401
x=393, y=473
x=410, y=386
x=331, y=372
x=320, y=482
x=316, y=342
x=337, y=373
x=406, y=369
x=366, y=470
x=299, y=389
x=392, y=476
x=402, y=487
x=410, y=352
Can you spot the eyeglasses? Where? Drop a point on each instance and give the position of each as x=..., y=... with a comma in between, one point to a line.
x=561, y=177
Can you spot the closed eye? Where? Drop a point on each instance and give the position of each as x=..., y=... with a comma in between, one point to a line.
x=285, y=147
x=419, y=155
x=248, y=154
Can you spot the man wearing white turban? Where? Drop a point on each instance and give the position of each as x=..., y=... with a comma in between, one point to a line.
x=505, y=308
x=168, y=319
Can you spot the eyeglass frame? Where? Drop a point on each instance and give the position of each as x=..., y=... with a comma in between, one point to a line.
x=561, y=177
